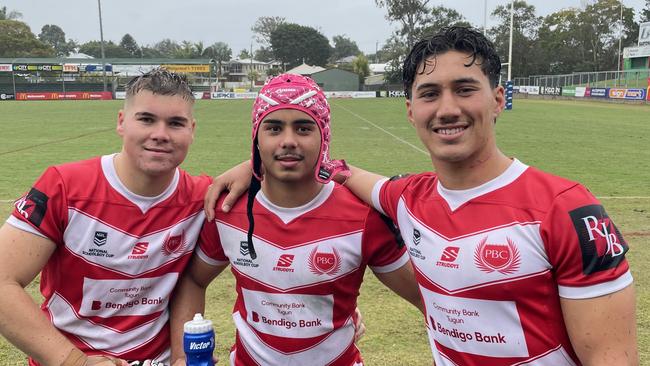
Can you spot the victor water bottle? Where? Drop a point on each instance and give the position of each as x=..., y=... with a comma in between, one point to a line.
x=198, y=341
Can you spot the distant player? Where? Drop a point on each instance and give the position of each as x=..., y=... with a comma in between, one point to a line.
x=111, y=235
x=298, y=247
x=515, y=266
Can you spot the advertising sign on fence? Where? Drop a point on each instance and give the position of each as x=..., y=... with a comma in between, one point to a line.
x=350, y=94
x=65, y=96
x=4, y=96
x=569, y=92
x=70, y=68
x=581, y=91
x=599, y=92
x=550, y=90
x=629, y=94
x=187, y=68
x=396, y=94
x=647, y=94
x=24, y=67
x=533, y=90
x=5, y=67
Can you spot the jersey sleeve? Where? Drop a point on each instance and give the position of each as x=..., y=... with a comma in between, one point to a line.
x=386, y=194
x=380, y=245
x=43, y=210
x=584, y=246
x=209, y=247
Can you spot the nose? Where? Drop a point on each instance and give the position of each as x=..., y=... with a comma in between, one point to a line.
x=448, y=108
x=289, y=140
x=160, y=132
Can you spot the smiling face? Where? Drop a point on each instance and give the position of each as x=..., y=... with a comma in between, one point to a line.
x=157, y=131
x=289, y=145
x=454, y=108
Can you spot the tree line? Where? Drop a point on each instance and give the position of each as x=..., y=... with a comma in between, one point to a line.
x=571, y=39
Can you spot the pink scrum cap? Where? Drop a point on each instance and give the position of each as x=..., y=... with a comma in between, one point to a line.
x=291, y=91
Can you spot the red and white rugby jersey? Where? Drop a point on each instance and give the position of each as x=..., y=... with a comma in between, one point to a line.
x=493, y=261
x=297, y=296
x=118, y=255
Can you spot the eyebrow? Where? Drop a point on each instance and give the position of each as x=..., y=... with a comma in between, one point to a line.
x=468, y=80
x=151, y=115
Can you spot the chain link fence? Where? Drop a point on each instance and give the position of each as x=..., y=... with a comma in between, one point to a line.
x=601, y=79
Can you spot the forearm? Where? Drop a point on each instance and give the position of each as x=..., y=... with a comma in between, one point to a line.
x=362, y=182
x=402, y=282
x=24, y=325
x=188, y=299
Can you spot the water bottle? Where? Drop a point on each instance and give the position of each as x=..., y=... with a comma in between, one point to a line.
x=198, y=341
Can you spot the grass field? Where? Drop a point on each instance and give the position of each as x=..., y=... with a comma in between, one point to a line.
x=605, y=146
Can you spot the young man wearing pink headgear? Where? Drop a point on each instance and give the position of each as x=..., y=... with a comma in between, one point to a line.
x=298, y=245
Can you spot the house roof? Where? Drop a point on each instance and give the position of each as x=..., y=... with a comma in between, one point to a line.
x=377, y=68
x=305, y=69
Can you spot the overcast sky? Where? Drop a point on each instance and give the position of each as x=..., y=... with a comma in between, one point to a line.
x=150, y=21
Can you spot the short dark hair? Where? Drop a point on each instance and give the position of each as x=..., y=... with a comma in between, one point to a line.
x=456, y=38
x=160, y=81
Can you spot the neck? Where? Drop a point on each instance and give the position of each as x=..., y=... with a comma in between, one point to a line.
x=290, y=194
x=473, y=173
x=137, y=182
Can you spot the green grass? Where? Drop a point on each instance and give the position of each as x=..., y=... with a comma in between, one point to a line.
x=605, y=146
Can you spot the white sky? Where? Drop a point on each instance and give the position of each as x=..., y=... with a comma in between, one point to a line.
x=150, y=21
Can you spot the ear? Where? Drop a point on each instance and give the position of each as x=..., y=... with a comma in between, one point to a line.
x=120, y=123
x=193, y=127
x=409, y=112
x=500, y=100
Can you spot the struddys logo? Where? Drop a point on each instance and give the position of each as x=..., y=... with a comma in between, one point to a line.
x=324, y=263
x=448, y=258
x=601, y=244
x=502, y=258
x=139, y=250
x=284, y=263
x=174, y=244
x=33, y=206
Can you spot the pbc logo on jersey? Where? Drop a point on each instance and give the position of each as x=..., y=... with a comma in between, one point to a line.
x=174, y=244
x=601, y=243
x=416, y=236
x=33, y=206
x=101, y=237
x=284, y=263
x=324, y=263
x=449, y=255
x=502, y=258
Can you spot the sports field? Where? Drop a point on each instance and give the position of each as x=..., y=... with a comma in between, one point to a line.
x=605, y=146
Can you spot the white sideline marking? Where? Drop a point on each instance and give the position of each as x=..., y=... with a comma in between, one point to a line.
x=383, y=130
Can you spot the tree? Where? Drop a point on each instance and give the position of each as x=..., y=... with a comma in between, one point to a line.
x=264, y=54
x=167, y=48
x=558, y=40
x=54, y=36
x=244, y=53
x=151, y=52
x=344, y=47
x=17, y=40
x=413, y=16
x=220, y=52
x=442, y=17
x=9, y=15
x=526, y=58
x=130, y=45
x=292, y=44
x=360, y=67
x=394, y=51
x=111, y=50
x=645, y=13
x=263, y=28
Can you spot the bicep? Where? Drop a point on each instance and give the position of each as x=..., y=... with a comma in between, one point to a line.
x=22, y=254
x=603, y=329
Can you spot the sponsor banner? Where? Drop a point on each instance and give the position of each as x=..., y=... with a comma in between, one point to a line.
x=569, y=92
x=395, y=94
x=533, y=90
x=93, y=68
x=70, y=68
x=599, y=92
x=4, y=96
x=132, y=70
x=350, y=94
x=24, y=67
x=246, y=95
x=632, y=52
x=515, y=89
x=120, y=95
x=550, y=90
x=630, y=94
x=187, y=68
x=201, y=95
x=65, y=96
x=5, y=67
x=581, y=91
x=231, y=95
x=647, y=94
